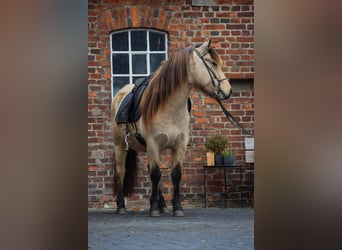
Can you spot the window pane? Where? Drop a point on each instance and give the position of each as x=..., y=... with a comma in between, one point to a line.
x=118, y=83
x=120, y=64
x=139, y=64
x=138, y=41
x=157, y=41
x=120, y=41
x=155, y=60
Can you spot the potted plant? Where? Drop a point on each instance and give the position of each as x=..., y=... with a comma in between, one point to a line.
x=217, y=144
x=228, y=158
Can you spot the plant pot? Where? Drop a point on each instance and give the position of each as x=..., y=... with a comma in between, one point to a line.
x=210, y=159
x=218, y=159
x=229, y=161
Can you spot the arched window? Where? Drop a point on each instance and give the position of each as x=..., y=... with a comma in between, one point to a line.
x=135, y=53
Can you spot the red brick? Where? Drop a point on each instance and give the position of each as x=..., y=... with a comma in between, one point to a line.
x=91, y=94
x=215, y=27
x=201, y=120
x=245, y=14
x=236, y=26
x=192, y=14
x=210, y=101
x=94, y=168
x=245, y=39
x=161, y=20
x=223, y=14
x=93, y=64
x=179, y=27
x=94, y=13
x=135, y=19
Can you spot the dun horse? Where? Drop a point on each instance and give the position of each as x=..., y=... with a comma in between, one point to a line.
x=164, y=121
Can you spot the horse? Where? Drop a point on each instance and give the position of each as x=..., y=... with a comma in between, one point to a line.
x=164, y=121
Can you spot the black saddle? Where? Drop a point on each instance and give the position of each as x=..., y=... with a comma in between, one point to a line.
x=129, y=110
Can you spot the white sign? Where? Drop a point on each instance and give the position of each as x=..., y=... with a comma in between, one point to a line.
x=249, y=143
x=249, y=156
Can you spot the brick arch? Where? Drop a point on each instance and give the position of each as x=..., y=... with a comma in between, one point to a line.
x=137, y=16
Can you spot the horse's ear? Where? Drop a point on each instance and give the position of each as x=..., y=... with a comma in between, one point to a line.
x=205, y=46
x=209, y=42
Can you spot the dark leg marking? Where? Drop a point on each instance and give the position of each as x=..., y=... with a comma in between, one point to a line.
x=120, y=201
x=154, y=200
x=176, y=177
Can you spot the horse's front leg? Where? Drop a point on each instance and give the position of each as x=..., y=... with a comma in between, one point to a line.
x=176, y=175
x=155, y=175
x=158, y=204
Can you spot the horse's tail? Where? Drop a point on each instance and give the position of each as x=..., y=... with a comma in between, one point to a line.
x=131, y=170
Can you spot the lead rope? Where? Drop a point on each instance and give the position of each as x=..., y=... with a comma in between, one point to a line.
x=232, y=119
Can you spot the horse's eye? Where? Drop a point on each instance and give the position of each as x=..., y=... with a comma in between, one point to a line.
x=214, y=64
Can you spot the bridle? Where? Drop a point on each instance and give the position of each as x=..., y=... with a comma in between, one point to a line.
x=213, y=77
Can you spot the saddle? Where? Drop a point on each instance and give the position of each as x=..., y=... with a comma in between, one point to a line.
x=129, y=110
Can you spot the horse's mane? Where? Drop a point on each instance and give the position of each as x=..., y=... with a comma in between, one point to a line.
x=169, y=77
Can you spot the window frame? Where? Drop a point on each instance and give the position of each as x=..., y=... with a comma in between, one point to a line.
x=131, y=53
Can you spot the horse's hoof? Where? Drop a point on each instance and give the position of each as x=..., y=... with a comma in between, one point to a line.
x=121, y=211
x=154, y=213
x=178, y=213
x=164, y=210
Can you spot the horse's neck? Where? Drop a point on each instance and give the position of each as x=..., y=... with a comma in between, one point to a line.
x=179, y=100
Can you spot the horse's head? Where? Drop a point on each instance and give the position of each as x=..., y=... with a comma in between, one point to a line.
x=207, y=73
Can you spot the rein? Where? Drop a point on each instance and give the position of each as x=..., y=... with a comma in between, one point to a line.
x=232, y=119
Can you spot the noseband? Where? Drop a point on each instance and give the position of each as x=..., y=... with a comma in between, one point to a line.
x=213, y=77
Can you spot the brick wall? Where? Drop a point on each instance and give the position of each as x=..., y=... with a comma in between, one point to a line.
x=231, y=25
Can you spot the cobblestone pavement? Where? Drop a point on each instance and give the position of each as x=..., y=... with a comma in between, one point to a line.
x=201, y=228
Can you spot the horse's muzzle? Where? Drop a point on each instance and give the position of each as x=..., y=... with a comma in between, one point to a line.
x=223, y=96
x=230, y=92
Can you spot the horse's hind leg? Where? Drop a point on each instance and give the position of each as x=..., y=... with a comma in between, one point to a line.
x=120, y=157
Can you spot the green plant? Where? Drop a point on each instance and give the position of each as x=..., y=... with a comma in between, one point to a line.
x=216, y=144
x=227, y=153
